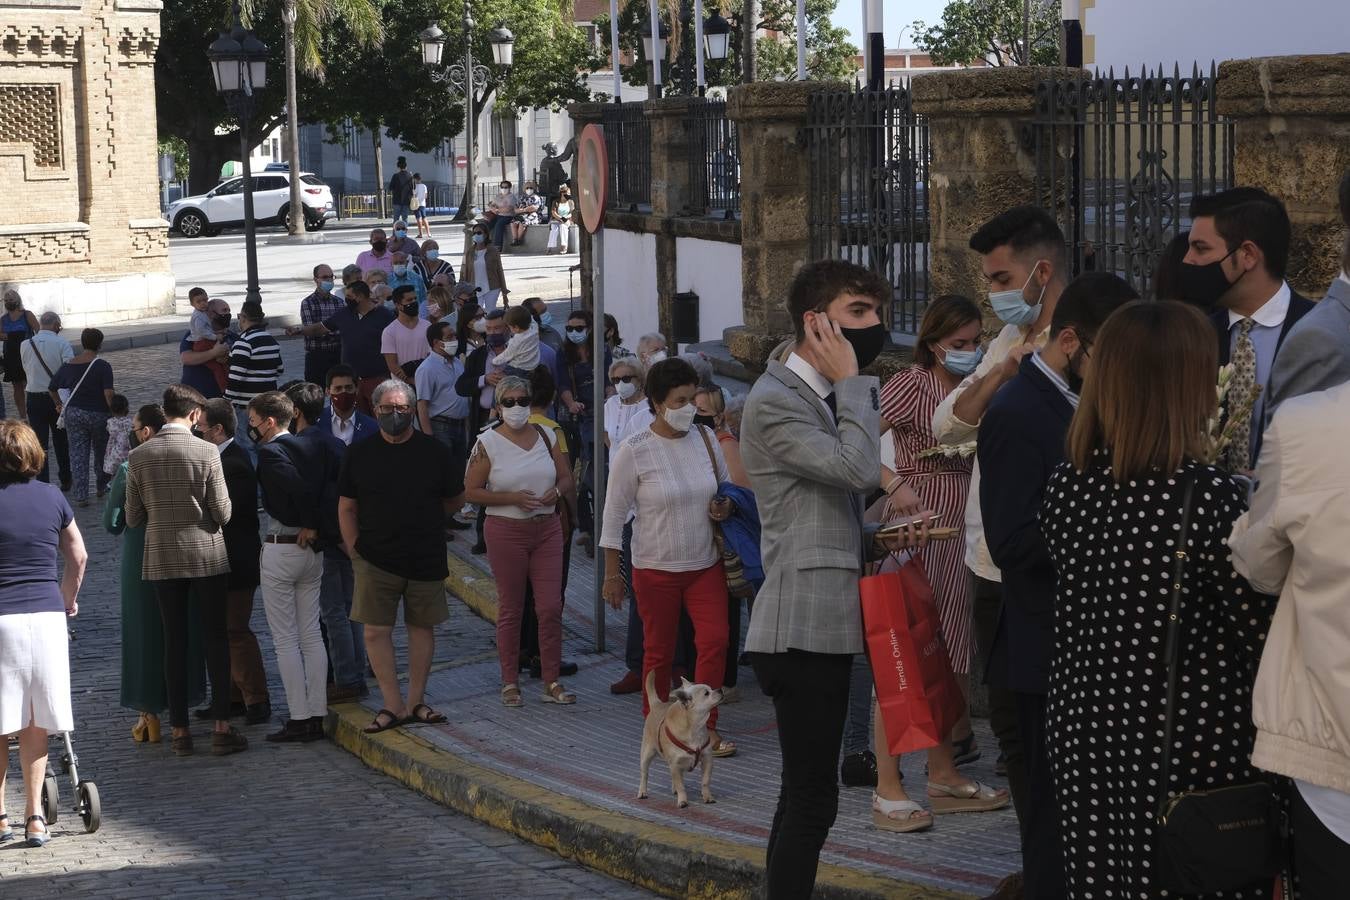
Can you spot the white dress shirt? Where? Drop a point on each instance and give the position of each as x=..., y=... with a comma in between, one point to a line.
x=814, y=380
x=343, y=429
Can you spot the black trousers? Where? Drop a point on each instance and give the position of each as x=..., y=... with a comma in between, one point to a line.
x=317, y=364
x=209, y=597
x=1002, y=702
x=1042, y=852
x=1321, y=860
x=810, y=700
x=42, y=418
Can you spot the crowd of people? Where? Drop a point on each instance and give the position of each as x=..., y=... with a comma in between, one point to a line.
x=1129, y=512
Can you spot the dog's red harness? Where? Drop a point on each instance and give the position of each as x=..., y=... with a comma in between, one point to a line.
x=696, y=754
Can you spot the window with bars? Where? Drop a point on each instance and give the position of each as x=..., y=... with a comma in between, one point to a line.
x=351, y=140
x=504, y=132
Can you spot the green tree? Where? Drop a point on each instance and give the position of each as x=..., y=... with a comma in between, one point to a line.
x=993, y=30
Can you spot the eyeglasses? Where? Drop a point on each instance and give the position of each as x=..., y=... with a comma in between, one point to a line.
x=511, y=402
x=385, y=409
x=622, y=379
x=576, y=329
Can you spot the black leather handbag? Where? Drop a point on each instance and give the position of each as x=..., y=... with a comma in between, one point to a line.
x=1218, y=839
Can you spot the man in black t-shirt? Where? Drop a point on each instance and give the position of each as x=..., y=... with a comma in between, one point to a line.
x=400, y=189
x=393, y=529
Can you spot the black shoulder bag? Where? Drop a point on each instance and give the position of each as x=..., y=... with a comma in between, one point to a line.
x=1219, y=839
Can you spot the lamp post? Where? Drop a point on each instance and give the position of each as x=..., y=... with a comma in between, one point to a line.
x=716, y=43
x=654, y=35
x=239, y=65
x=469, y=78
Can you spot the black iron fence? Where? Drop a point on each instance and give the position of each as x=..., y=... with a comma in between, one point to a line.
x=1118, y=161
x=868, y=198
x=714, y=160
x=628, y=143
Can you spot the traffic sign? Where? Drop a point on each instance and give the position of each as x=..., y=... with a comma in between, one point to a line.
x=592, y=177
x=461, y=161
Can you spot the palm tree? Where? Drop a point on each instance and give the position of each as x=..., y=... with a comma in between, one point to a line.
x=305, y=21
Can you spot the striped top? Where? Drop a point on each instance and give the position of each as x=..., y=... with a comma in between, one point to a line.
x=255, y=363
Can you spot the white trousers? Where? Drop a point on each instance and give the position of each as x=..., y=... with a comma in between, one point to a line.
x=291, y=581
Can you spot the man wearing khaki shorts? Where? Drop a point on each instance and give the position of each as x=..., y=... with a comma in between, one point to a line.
x=393, y=499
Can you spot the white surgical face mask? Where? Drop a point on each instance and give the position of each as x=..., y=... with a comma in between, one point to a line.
x=626, y=389
x=450, y=348
x=480, y=326
x=655, y=357
x=516, y=416
x=681, y=419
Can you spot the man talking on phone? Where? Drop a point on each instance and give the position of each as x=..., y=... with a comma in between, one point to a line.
x=810, y=440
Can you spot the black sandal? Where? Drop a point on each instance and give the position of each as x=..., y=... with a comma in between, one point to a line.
x=375, y=727
x=432, y=717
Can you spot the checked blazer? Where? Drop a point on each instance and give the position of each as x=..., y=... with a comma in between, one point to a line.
x=809, y=476
x=176, y=488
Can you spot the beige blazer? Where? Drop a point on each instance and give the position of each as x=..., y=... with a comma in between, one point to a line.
x=1293, y=542
x=176, y=489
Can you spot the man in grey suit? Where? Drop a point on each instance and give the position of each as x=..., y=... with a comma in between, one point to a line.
x=1316, y=352
x=810, y=439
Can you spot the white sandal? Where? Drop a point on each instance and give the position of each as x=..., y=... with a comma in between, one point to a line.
x=973, y=797
x=898, y=815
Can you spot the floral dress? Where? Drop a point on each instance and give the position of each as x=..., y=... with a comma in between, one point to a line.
x=540, y=215
x=908, y=402
x=1112, y=548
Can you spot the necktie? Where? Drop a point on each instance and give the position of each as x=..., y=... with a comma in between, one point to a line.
x=1244, y=379
x=830, y=401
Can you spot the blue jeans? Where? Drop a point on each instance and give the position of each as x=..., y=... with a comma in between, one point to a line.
x=346, y=639
x=401, y=212
x=452, y=433
x=857, y=728
x=499, y=230
x=241, y=434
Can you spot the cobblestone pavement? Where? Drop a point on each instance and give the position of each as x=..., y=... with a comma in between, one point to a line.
x=295, y=821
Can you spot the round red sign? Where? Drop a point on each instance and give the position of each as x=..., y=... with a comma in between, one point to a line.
x=592, y=177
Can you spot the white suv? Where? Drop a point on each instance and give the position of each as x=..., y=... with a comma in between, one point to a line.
x=223, y=207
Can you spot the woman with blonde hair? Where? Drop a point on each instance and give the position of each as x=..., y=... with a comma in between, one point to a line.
x=1112, y=517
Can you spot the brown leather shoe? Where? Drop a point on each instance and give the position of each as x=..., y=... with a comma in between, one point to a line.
x=227, y=742
x=630, y=683
x=1009, y=888
x=182, y=746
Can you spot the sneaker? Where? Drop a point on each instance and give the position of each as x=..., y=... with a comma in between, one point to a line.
x=859, y=770
x=630, y=683
x=223, y=744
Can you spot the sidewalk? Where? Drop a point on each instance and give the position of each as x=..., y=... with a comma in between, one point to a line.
x=566, y=777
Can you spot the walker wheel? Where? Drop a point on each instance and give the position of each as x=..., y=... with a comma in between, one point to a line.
x=89, y=808
x=51, y=799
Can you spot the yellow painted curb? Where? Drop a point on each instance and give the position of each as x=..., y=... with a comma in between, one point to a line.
x=664, y=859
x=469, y=583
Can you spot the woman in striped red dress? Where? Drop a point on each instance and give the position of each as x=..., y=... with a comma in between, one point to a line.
x=947, y=349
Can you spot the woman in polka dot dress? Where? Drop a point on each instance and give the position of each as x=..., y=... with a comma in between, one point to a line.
x=1111, y=518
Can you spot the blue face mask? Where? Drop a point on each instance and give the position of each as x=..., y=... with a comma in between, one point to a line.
x=579, y=337
x=546, y=319
x=326, y=286
x=1011, y=306
x=433, y=254
x=961, y=362
x=478, y=238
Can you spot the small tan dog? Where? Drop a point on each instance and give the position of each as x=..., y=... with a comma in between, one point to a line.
x=677, y=731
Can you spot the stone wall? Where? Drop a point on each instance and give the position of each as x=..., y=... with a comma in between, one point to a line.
x=81, y=233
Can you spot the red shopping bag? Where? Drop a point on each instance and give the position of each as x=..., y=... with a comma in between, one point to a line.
x=918, y=694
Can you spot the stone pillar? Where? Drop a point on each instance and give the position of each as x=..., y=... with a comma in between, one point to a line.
x=668, y=120
x=979, y=166
x=775, y=179
x=1292, y=138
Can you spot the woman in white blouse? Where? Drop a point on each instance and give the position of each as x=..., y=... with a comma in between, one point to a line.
x=669, y=474
x=628, y=403
x=517, y=471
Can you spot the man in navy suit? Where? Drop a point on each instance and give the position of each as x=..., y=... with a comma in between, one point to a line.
x=346, y=639
x=1021, y=442
x=1236, y=263
x=340, y=417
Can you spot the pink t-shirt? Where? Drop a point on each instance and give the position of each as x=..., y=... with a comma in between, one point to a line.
x=407, y=344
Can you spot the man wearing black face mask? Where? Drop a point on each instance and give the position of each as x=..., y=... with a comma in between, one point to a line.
x=393, y=529
x=403, y=343
x=378, y=256
x=1021, y=441
x=1236, y=265
x=810, y=441
x=196, y=374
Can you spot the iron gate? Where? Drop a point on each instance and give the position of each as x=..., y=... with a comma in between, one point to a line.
x=1118, y=161
x=868, y=156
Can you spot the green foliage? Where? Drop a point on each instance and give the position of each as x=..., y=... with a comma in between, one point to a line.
x=992, y=29
x=178, y=149
x=829, y=54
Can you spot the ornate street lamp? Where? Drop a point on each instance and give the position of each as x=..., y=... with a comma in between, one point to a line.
x=468, y=78
x=239, y=66
x=716, y=36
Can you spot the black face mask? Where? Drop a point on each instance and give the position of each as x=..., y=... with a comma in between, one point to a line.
x=378, y=246
x=867, y=342
x=705, y=421
x=220, y=323
x=133, y=440
x=11, y=305
x=1205, y=284
x=1073, y=373
x=254, y=434
x=408, y=309
x=496, y=341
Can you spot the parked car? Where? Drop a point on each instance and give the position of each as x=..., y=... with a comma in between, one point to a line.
x=223, y=207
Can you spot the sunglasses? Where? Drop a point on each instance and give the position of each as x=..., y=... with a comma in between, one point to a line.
x=623, y=379
x=576, y=329
x=511, y=402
